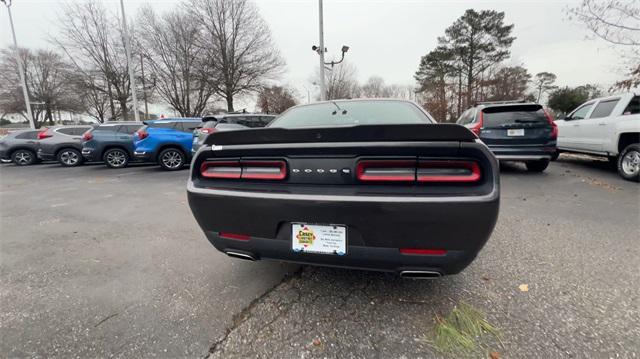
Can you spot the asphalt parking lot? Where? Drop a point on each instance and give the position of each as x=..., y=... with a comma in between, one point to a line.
x=97, y=262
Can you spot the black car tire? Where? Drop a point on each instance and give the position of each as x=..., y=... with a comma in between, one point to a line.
x=23, y=157
x=116, y=158
x=629, y=163
x=537, y=166
x=69, y=157
x=172, y=159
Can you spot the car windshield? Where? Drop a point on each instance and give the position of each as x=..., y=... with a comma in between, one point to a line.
x=349, y=113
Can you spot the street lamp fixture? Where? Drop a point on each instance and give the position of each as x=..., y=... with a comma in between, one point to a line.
x=344, y=50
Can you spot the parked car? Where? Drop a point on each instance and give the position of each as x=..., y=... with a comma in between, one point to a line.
x=62, y=144
x=166, y=141
x=20, y=147
x=228, y=122
x=367, y=184
x=514, y=131
x=607, y=126
x=111, y=143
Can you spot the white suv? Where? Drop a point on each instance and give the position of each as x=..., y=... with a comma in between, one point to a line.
x=607, y=126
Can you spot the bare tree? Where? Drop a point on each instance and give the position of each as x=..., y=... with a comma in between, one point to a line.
x=92, y=39
x=374, y=88
x=239, y=46
x=49, y=83
x=171, y=46
x=617, y=22
x=276, y=99
x=341, y=82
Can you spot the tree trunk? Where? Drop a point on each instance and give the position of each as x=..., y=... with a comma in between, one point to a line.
x=123, y=108
x=229, y=98
x=111, y=104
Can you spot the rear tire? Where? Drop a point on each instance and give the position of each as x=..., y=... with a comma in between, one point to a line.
x=69, y=157
x=116, y=158
x=172, y=159
x=629, y=163
x=23, y=158
x=537, y=166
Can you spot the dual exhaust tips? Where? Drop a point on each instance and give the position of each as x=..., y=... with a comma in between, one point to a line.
x=412, y=274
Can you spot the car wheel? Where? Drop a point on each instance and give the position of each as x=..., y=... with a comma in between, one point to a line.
x=629, y=163
x=537, y=166
x=172, y=159
x=116, y=158
x=69, y=157
x=23, y=157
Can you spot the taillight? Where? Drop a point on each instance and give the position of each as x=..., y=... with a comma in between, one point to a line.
x=88, y=136
x=448, y=171
x=44, y=134
x=424, y=252
x=554, y=127
x=260, y=170
x=443, y=171
x=386, y=170
x=236, y=236
x=142, y=134
x=208, y=130
x=478, y=126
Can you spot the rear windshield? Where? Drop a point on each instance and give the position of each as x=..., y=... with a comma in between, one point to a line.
x=498, y=116
x=348, y=113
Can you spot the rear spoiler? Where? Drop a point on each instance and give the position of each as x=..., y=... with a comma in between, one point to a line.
x=361, y=133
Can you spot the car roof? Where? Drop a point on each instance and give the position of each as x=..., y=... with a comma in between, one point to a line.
x=515, y=104
x=116, y=123
x=226, y=115
x=174, y=119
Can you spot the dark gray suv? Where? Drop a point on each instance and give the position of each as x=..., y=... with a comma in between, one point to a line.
x=62, y=144
x=111, y=142
x=20, y=147
x=514, y=131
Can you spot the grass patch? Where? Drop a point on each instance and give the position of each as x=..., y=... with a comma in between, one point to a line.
x=464, y=331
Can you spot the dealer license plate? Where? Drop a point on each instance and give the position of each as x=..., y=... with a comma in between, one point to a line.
x=315, y=238
x=515, y=132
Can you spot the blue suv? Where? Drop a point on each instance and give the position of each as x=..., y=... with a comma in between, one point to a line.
x=166, y=141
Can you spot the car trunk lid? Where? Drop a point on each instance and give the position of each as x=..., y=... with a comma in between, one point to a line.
x=515, y=125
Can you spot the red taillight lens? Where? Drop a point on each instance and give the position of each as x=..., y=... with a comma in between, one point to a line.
x=142, y=134
x=88, y=136
x=208, y=130
x=44, y=134
x=554, y=127
x=478, y=126
x=236, y=236
x=264, y=170
x=424, y=252
x=386, y=170
x=221, y=169
x=260, y=170
x=448, y=171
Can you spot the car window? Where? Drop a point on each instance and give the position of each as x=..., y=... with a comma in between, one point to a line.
x=69, y=131
x=28, y=135
x=507, y=115
x=349, y=113
x=633, y=107
x=80, y=130
x=188, y=126
x=162, y=124
x=106, y=128
x=466, y=117
x=129, y=129
x=582, y=112
x=604, y=108
x=266, y=120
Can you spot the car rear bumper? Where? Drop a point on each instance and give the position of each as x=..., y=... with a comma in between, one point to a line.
x=377, y=227
x=144, y=156
x=523, y=153
x=89, y=154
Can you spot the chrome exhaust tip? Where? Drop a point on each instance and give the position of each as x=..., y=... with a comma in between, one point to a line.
x=244, y=256
x=420, y=274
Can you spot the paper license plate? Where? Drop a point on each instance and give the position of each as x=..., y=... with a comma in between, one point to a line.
x=315, y=238
x=515, y=132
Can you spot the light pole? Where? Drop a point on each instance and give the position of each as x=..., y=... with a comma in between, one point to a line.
x=127, y=45
x=144, y=90
x=25, y=93
x=321, y=50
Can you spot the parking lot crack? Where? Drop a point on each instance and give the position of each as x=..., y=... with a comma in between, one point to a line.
x=245, y=314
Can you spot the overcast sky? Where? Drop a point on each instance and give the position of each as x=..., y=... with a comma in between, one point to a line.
x=387, y=38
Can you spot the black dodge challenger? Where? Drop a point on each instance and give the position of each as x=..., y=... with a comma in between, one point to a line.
x=366, y=184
